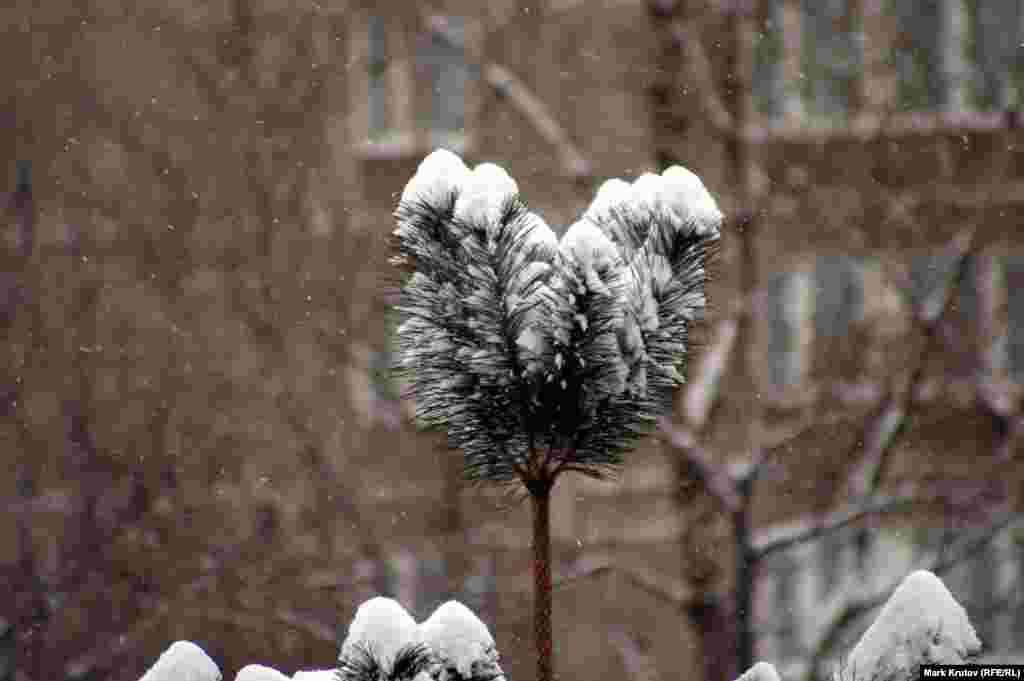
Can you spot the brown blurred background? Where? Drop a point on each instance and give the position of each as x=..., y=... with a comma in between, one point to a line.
x=198, y=438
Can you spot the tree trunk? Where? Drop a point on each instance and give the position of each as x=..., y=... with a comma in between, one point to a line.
x=745, y=576
x=540, y=493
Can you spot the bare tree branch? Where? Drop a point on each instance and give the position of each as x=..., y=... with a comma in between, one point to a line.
x=699, y=466
x=639, y=665
x=703, y=391
x=812, y=526
x=507, y=85
x=884, y=424
x=698, y=67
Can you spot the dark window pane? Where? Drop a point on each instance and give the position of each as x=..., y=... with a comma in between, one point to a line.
x=917, y=54
x=479, y=588
x=839, y=295
x=788, y=300
x=433, y=581
x=832, y=56
x=1013, y=270
x=996, y=42
x=445, y=61
x=768, y=83
x=377, y=64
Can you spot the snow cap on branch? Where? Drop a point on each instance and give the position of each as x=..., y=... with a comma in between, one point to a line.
x=686, y=196
x=257, y=672
x=762, y=671
x=921, y=623
x=183, y=661
x=382, y=626
x=461, y=642
x=484, y=195
x=439, y=175
x=593, y=252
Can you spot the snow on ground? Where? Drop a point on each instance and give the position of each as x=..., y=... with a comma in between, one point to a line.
x=460, y=639
x=257, y=672
x=382, y=625
x=762, y=671
x=183, y=661
x=920, y=623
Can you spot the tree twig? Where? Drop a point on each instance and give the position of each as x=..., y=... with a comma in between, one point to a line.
x=508, y=86
x=715, y=478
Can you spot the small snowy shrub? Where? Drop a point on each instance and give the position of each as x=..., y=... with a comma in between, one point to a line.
x=921, y=623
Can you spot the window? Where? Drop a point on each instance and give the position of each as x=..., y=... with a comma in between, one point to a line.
x=926, y=72
x=480, y=588
x=442, y=58
x=831, y=56
x=839, y=296
x=943, y=55
x=408, y=85
x=769, y=81
x=790, y=296
x=996, y=50
x=1012, y=345
x=432, y=576
x=380, y=118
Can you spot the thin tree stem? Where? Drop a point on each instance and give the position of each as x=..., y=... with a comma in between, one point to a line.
x=745, y=575
x=540, y=493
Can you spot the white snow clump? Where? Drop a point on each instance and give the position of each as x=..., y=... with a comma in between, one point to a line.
x=257, y=672
x=484, y=194
x=460, y=640
x=382, y=625
x=183, y=661
x=762, y=671
x=591, y=249
x=921, y=623
x=439, y=175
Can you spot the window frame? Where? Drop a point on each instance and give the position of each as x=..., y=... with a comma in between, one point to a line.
x=409, y=98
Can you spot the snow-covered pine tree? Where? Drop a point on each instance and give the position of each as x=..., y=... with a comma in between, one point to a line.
x=541, y=356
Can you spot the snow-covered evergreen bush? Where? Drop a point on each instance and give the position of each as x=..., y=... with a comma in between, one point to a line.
x=183, y=661
x=921, y=623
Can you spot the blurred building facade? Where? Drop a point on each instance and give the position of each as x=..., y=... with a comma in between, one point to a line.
x=274, y=164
